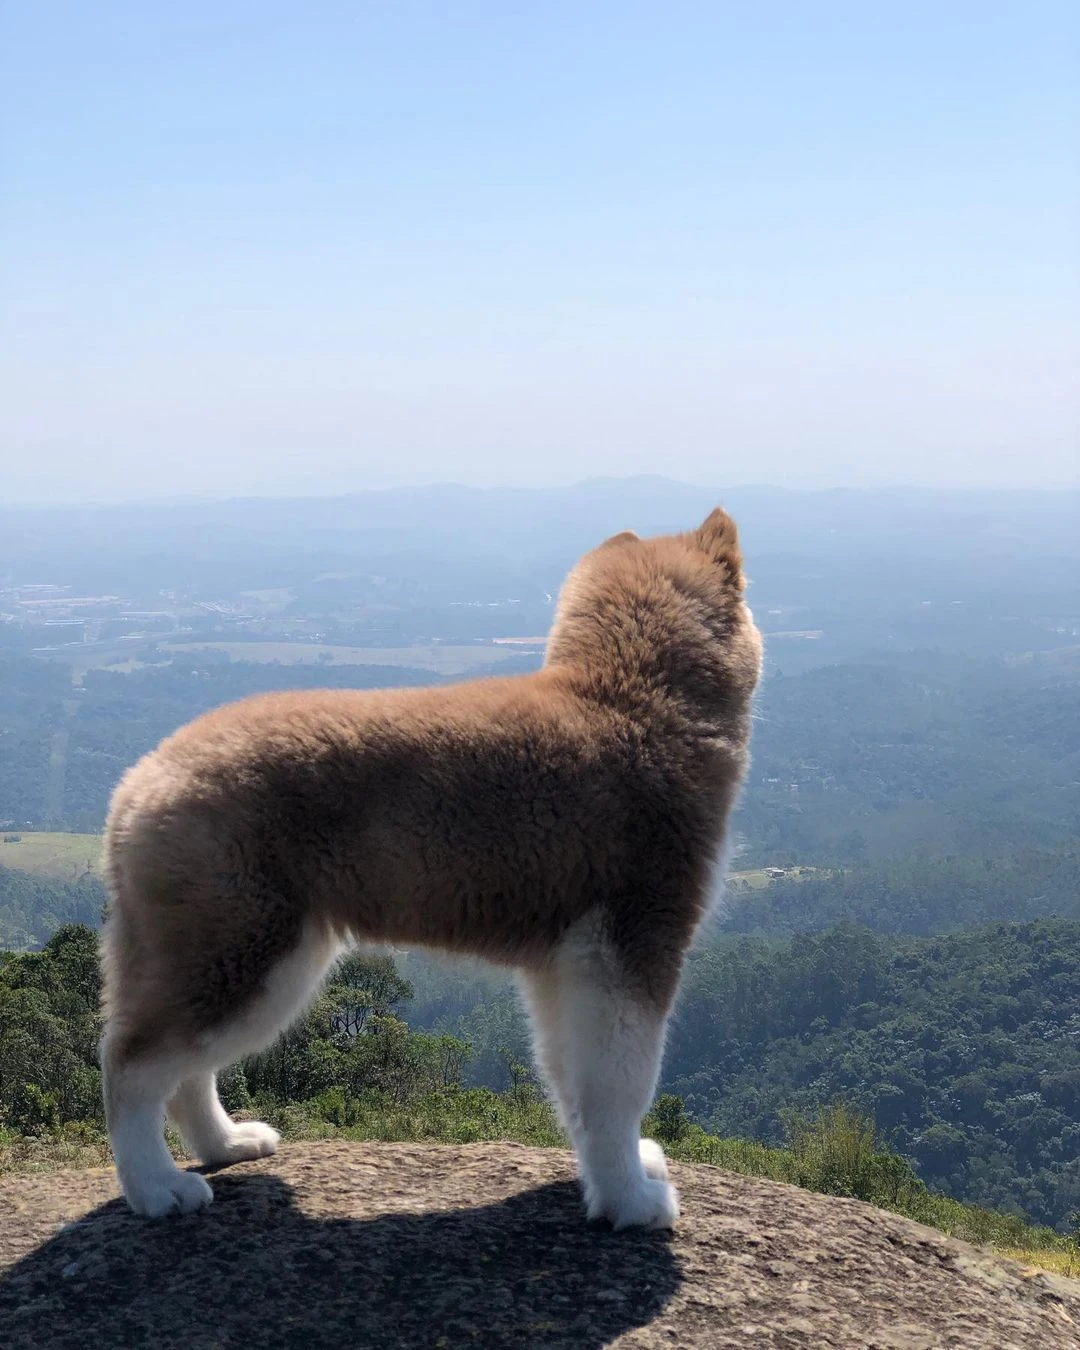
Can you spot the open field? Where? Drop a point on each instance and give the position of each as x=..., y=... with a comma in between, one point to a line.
x=758, y=876
x=442, y=660
x=47, y=854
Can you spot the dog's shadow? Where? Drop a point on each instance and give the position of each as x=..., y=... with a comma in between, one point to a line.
x=254, y=1270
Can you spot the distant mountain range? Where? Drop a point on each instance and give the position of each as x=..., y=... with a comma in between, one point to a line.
x=558, y=523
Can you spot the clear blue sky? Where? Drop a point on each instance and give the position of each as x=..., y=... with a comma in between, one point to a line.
x=267, y=248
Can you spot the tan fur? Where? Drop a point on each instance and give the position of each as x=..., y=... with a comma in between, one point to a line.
x=496, y=817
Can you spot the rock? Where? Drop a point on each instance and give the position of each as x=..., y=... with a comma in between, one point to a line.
x=402, y=1246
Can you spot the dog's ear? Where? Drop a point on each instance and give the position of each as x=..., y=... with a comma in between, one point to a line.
x=719, y=538
x=626, y=537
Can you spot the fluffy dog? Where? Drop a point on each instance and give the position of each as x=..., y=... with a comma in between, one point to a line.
x=565, y=823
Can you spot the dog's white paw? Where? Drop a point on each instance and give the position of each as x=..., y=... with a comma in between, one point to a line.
x=653, y=1160
x=256, y=1134
x=246, y=1141
x=649, y=1203
x=180, y=1193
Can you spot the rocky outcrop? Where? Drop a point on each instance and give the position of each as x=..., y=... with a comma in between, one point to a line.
x=421, y=1245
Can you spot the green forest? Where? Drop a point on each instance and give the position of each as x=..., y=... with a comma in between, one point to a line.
x=961, y=1050
x=32, y=908
x=964, y=1050
x=916, y=895
x=353, y=1066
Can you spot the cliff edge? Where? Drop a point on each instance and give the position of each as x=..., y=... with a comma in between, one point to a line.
x=404, y=1246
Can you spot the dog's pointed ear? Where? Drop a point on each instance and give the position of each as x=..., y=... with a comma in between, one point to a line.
x=625, y=537
x=719, y=538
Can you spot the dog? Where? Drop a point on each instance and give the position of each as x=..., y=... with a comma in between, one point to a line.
x=565, y=823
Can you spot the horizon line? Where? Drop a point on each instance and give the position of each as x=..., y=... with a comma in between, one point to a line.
x=600, y=480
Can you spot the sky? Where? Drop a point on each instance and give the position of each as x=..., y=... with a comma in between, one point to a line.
x=263, y=248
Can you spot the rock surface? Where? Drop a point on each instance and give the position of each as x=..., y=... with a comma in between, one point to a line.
x=422, y=1245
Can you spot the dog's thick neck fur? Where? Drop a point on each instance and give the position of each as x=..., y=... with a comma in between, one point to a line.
x=647, y=633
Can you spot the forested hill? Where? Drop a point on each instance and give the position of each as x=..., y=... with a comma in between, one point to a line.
x=34, y=907
x=918, y=752
x=916, y=895
x=965, y=1049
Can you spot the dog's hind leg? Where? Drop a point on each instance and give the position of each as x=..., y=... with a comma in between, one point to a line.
x=148, y=1061
x=599, y=1046
x=138, y=1075
x=207, y=1129
x=194, y=1107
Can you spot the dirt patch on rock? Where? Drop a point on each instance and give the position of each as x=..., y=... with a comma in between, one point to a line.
x=402, y=1246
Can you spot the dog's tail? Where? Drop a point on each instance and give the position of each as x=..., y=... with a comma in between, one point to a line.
x=720, y=540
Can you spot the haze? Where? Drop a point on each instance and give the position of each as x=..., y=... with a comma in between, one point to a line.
x=269, y=249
